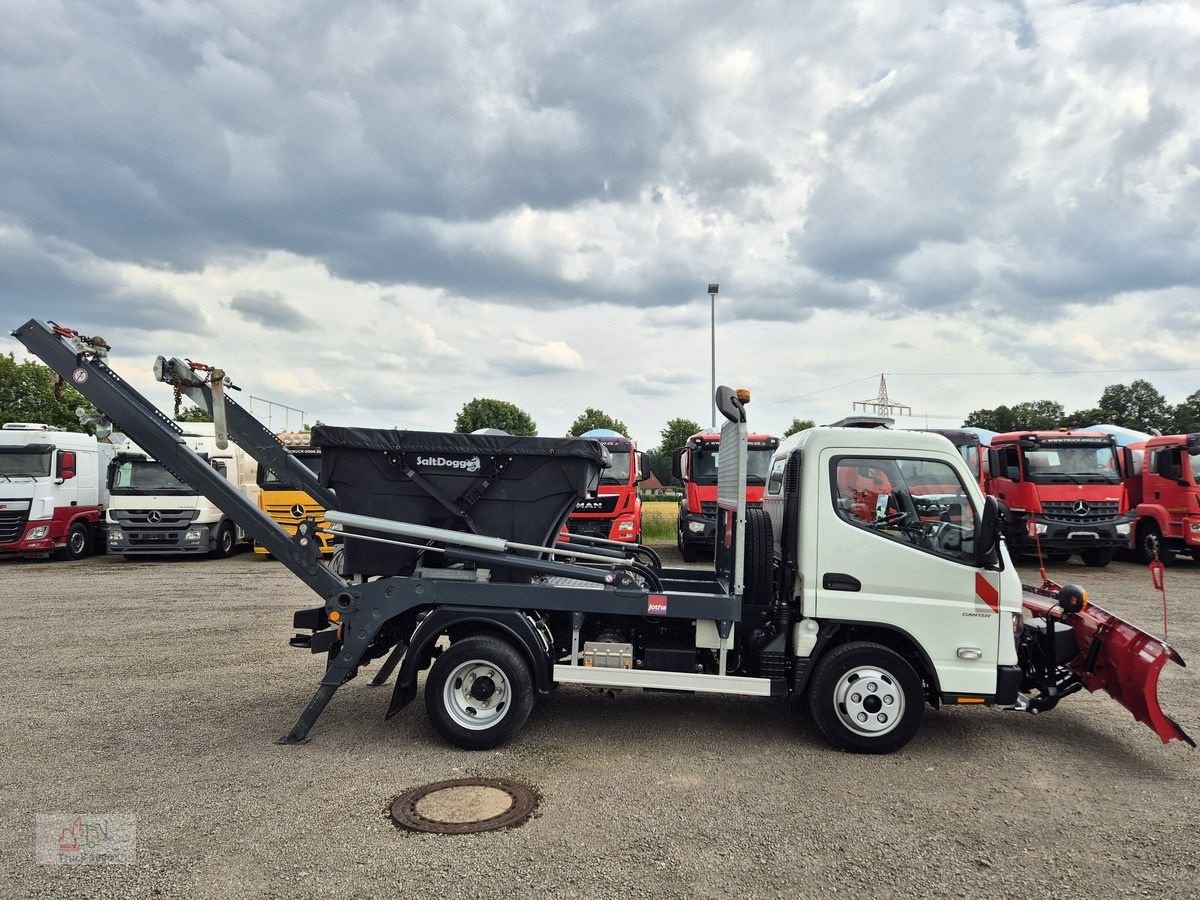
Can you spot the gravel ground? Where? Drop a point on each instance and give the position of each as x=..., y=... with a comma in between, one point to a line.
x=157, y=689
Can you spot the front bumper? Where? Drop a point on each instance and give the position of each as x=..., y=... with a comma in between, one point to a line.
x=1056, y=535
x=36, y=537
x=159, y=541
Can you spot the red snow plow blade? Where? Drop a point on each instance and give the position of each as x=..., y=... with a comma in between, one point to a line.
x=1118, y=658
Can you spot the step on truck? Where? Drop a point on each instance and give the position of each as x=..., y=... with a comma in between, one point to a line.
x=1060, y=492
x=613, y=512
x=1163, y=481
x=284, y=500
x=872, y=613
x=696, y=464
x=52, y=491
x=152, y=512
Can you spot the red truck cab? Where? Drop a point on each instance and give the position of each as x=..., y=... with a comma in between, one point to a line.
x=1064, y=490
x=696, y=465
x=1164, y=489
x=614, y=511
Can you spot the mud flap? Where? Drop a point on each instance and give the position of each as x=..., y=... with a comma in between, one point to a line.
x=1119, y=659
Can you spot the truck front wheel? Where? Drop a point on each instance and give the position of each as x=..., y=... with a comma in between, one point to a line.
x=866, y=698
x=479, y=693
x=1150, y=543
x=79, y=543
x=225, y=543
x=1097, y=558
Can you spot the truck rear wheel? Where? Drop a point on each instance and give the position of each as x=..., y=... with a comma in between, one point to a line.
x=1097, y=558
x=479, y=693
x=866, y=698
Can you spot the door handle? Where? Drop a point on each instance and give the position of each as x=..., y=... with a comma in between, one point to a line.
x=836, y=581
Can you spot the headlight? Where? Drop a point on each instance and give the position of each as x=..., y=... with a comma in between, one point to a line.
x=696, y=527
x=625, y=526
x=114, y=535
x=1041, y=527
x=34, y=534
x=1018, y=622
x=1195, y=526
x=192, y=536
x=1123, y=529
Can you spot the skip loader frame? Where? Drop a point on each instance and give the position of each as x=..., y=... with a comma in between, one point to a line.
x=522, y=616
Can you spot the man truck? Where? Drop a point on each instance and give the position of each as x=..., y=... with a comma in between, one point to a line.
x=870, y=613
x=153, y=513
x=696, y=464
x=52, y=490
x=613, y=512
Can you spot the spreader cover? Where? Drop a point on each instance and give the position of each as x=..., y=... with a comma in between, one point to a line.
x=518, y=488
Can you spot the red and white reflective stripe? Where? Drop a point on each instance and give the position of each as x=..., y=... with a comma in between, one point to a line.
x=986, y=592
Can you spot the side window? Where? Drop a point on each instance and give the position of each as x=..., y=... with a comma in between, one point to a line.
x=919, y=502
x=220, y=467
x=775, y=482
x=1167, y=462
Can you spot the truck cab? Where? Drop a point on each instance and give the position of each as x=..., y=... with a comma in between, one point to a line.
x=1062, y=491
x=153, y=513
x=697, y=464
x=52, y=492
x=288, y=504
x=1164, y=489
x=613, y=511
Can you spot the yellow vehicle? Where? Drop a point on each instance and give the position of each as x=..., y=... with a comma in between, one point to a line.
x=284, y=502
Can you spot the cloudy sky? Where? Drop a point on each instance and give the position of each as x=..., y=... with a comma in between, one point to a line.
x=377, y=211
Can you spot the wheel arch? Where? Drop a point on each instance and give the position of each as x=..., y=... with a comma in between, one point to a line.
x=894, y=638
x=459, y=622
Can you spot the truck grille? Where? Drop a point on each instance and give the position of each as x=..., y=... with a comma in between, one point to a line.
x=12, y=525
x=597, y=529
x=1066, y=511
x=140, y=518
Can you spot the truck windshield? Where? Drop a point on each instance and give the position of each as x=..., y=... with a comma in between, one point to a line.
x=271, y=480
x=1077, y=464
x=134, y=476
x=707, y=460
x=1195, y=458
x=19, y=461
x=618, y=473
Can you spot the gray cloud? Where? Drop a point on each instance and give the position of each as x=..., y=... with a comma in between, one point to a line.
x=270, y=309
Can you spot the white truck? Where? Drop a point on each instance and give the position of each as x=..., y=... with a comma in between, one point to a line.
x=52, y=493
x=873, y=582
x=153, y=513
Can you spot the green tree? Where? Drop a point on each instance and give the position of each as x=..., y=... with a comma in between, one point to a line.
x=1030, y=415
x=484, y=412
x=596, y=418
x=1081, y=418
x=27, y=395
x=194, y=414
x=1187, y=415
x=674, y=435
x=799, y=425
x=1136, y=405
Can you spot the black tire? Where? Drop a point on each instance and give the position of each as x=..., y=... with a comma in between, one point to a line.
x=226, y=543
x=760, y=551
x=463, y=660
x=1150, y=538
x=1097, y=558
x=894, y=678
x=1057, y=557
x=690, y=552
x=79, y=543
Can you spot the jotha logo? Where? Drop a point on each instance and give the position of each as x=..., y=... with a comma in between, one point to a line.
x=442, y=462
x=656, y=605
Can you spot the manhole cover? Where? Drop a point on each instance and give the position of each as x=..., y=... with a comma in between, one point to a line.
x=464, y=806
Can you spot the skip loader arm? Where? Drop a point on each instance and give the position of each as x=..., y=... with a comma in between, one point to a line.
x=1116, y=657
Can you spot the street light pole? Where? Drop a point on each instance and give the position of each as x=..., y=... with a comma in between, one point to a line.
x=712, y=394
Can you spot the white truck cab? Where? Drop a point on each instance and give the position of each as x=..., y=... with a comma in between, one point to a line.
x=152, y=513
x=878, y=528
x=52, y=492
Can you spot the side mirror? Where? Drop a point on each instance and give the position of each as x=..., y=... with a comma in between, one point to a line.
x=644, y=472
x=66, y=465
x=987, y=535
x=1127, y=467
x=677, y=463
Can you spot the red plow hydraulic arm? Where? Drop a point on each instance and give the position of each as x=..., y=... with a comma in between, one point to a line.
x=1118, y=658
